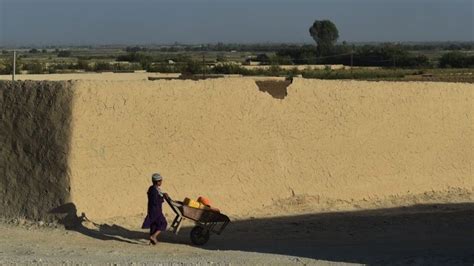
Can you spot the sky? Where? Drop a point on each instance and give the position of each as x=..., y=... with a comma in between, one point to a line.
x=85, y=22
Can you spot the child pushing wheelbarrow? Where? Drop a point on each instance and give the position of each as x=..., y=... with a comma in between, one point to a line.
x=207, y=219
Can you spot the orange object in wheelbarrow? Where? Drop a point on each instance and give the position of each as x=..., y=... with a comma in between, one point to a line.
x=207, y=221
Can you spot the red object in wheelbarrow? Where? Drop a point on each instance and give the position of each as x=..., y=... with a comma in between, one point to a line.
x=207, y=221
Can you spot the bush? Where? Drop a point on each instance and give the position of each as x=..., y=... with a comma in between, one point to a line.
x=456, y=60
x=102, y=66
x=83, y=64
x=162, y=68
x=35, y=67
x=230, y=69
x=144, y=60
x=363, y=74
x=64, y=53
x=193, y=67
x=3, y=68
x=280, y=60
x=6, y=67
x=305, y=54
x=412, y=61
x=126, y=67
x=60, y=67
x=221, y=58
x=134, y=49
x=275, y=70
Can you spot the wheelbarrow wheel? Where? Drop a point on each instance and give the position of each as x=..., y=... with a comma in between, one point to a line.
x=199, y=235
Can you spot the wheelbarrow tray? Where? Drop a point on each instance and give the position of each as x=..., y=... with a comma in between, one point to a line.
x=203, y=215
x=212, y=221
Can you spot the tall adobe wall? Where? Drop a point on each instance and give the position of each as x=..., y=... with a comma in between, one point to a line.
x=342, y=140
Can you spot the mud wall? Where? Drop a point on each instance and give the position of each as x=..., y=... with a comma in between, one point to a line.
x=342, y=140
x=34, y=148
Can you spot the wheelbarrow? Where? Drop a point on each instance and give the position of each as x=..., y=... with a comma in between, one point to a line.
x=207, y=221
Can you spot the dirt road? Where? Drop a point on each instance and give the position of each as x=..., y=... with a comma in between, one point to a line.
x=428, y=234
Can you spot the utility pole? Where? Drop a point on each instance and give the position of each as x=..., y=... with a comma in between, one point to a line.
x=203, y=66
x=352, y=60
x=14, y=65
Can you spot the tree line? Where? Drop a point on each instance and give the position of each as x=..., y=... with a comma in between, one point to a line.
x=326, y=51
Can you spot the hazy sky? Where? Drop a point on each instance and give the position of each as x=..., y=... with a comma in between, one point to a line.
x=24, y=22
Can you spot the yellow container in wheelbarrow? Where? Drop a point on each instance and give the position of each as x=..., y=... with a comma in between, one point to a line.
x=208, y=220
x=192, y=203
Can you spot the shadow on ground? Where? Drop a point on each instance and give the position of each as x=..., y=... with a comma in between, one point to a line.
x=442, y=232
x=72, y=222
x=421, y=234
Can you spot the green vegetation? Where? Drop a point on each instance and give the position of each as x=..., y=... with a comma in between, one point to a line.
x=34, y=67
x=6, y=66
x=383, y=55
x=394, y=61
x=457, y=60
x=64, y=53
x=325, y=34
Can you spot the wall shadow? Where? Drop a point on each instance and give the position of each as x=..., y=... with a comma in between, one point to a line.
x=35, y=136
x=67, y=215
x=426, y=234
x=420, y=234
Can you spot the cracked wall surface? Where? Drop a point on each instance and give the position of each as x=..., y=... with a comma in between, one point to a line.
x=348, y=141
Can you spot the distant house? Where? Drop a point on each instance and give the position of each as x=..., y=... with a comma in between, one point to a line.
x=251, y=62
x=171, y=62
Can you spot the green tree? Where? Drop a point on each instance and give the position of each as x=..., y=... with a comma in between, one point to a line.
x=102, y=66
x=192, y=67
x=7, y=66
x=34, y=67
x=456, y=59
x=3, y=67
x=221, y=58
x=83, y=64
x=280, y=60
x=325, y=34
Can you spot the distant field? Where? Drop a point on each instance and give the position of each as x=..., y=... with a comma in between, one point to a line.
x=173, y=60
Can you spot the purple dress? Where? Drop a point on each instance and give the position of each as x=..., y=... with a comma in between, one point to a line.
x=155, y=220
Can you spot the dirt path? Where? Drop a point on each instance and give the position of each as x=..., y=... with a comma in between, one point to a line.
x=430, y=234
